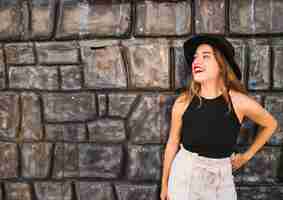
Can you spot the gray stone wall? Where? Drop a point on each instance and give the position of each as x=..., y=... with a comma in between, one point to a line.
x=87, y=89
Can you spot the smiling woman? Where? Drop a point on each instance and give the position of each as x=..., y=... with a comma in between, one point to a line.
x=205, y=123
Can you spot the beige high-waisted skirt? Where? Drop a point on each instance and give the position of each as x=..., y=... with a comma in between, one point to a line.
x=195, y=177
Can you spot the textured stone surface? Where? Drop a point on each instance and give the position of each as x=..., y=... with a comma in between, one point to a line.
x=240, y=55
x=82, y=19
x=100, y=161
x=127, y=191
x=66, y=161
x=104, y=130
x=19, y=53
x=69, y=107
x=210, y=16
x=42, y=18
x=31, y=125
x=260, y=192
x=120, y=104
x=259, y=64
x=183, y=71
x=8, y=160
x=36, y=158
x=144, y=163
x=148, y=121
x=149, y=63
x=94, y=190
x=57, y=52
x=274, y=104
x=2, y=70
x=103, y=67
x=277, y=50
x=9, y=115
x=71, y=77
x=51, y=190
x=14, y=18
x=65, y=132
x=18, y=191
x=264, y=167
x=258, y=16
x=102, y=107
x=34, y=77
x=163, y=18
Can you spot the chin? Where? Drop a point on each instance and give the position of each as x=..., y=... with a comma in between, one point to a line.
x=199, y=79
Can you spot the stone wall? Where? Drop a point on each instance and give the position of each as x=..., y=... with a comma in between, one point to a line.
x=87, y=89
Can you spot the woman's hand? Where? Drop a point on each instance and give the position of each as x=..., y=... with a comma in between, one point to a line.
x=239, y=159
x=164, y=194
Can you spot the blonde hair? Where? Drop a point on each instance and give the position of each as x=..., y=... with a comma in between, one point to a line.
x=226, y=73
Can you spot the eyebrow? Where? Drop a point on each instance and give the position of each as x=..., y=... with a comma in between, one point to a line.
x=205, y=52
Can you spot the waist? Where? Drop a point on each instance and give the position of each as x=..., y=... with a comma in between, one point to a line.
x=210, y=151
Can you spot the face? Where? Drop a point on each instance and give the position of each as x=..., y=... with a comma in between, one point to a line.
x=204, y=65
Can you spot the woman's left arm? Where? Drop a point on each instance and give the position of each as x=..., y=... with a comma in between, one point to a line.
x=254, y=111
x=268, y=124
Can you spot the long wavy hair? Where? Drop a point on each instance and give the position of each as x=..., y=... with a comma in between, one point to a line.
x=226, y=73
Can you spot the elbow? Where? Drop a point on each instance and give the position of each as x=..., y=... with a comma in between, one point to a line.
x=275, y=124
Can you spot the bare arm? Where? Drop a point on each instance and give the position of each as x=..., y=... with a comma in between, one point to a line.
x=253, y=110
x=173, y=142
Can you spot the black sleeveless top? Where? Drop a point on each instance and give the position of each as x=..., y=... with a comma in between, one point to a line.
x=210, y=130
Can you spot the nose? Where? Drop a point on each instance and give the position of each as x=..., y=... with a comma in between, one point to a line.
x=197, y=61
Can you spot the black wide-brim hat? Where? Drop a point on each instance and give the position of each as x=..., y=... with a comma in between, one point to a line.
x=219, y=42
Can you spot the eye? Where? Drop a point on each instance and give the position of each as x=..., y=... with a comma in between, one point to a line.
x=206, y=56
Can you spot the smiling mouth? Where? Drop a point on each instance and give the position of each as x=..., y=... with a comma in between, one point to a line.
x=198, y=69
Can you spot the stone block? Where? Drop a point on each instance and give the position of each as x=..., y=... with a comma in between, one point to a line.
x=82, y=19
x=148, y=122
x=107, y=130
x=95, y=190
x=74, y=132
x=31, y=126
x=14, y=16
x=57, y=52
x=19, y=53
x=103, y=67
x=163, y=18
x=148, y=63
x=33, y=77
x=71, y=77
x=259, y=64
x=53, y=190
x=60, y=107
x=42, y=18
x=144, y=163
x=120, y=104
x=127, y=191
x=9, y=115
x=8, y=160
x=210, y=16
x=36, y=159
x=100, y=161
x=66, y=161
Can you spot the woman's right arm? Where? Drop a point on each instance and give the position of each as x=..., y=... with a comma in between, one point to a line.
x=172, y=144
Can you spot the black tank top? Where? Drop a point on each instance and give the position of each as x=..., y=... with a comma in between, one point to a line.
x=210, y=130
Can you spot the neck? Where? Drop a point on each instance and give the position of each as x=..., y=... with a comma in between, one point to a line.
x=210, y=88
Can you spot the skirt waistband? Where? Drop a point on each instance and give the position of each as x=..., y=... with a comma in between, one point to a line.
x=206, y=160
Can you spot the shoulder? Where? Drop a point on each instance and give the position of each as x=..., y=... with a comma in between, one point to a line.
x=179, y=104
x=243, y=101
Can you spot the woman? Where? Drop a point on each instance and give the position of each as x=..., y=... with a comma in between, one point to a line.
x=205, y=122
